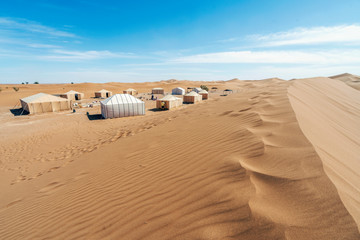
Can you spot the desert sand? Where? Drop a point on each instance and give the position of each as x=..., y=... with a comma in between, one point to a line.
x=274, y=160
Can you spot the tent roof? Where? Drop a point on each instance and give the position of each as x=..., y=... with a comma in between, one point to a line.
x=179, y=88
x=130, y=89
x=120, y=99
x=157, y=88
x=71, y=92
x=203, y=91
x=192, y=94
x=199, y=89
x=103, y=90
x=43, y=97
x=169, y=98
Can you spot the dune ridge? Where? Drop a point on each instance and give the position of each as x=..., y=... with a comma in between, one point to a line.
x=329, y=115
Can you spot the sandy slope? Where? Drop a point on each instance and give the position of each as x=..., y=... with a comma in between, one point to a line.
x=329, y=115
x=235, y=167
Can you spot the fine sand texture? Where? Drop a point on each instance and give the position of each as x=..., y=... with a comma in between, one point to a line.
x=328, y=112
x=232, y=167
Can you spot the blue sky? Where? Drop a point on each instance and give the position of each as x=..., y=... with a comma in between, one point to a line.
x=136, y=41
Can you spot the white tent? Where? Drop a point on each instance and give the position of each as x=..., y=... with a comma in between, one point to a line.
x=178, y=91
x=122, y=105
x=197, y=89
x=168, y=102
x=72, y=95
x=192, y=97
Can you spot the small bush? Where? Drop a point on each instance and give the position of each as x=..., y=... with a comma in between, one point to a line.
x=36, y=82
x=22, y=83
x=72, y=82
x=16, y=89
x=0, y=89
x=27, y=82
x=204, y=87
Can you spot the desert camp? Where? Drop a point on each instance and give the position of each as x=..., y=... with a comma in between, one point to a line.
x=42, y=102
x=168, y=102
x=122, y=105
x=103, y=94
x=192, y=97
x=72, y=95
x=180, y=120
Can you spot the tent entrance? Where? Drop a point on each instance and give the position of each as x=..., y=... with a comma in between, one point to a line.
x=77, y=97
x=107, y=94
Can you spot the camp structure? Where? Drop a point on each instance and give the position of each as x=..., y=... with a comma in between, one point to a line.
x=168, y=102
x=178, y=91
x=157, y=91
x=192, y=97
x=130, y=91
x=227, y=91
x=103, y=94
x=197, y=89
x=204, y=94
x=42, y=102
x=72, y=95
x=122, y=105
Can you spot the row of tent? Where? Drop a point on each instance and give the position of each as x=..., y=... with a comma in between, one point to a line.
x=124, y=105
x=41, y=102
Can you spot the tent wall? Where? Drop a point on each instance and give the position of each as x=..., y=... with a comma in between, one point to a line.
x=42, y=107
x=204, y=96
x=130, y=92
x=192, y=99
x=169, y=104
x=102, y=94
x=157, y=91
x=122, y=110
x=72, y=96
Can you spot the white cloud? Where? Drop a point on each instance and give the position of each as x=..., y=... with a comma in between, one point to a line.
x=276, y=57
x=64, y=55
x=315, y=35
x=30, y=26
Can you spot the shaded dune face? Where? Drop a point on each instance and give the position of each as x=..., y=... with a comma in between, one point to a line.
x=235, y=167
x=328, y=112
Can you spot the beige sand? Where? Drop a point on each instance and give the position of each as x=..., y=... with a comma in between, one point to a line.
x=329, y=115
x=231, y=167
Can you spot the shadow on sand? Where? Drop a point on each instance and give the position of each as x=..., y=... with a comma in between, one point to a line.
x=92, y=117
x=158, y=110
x=18, y=112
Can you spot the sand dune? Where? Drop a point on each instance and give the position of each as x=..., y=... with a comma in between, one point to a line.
x=350, y=79
x=329, y=115
x=234, y=167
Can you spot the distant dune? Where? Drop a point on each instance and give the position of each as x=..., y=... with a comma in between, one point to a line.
x=349, y=79
x=240, y=166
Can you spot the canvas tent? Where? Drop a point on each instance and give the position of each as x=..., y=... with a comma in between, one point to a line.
x=204, y=94
x=103, y=94
x=122, y=105
x=178, y=91
x=157, y=91
x=192, y=97
x=197, y=89
x=42, y=102
x=130, y=91
x=168, y=102
x=72, y=95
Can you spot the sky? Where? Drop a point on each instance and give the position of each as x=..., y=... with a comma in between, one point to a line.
x=63, y=41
